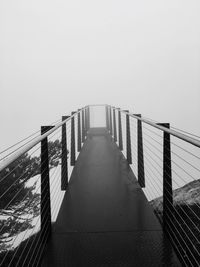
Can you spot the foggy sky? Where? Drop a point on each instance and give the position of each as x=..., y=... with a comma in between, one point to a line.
x=57, y=56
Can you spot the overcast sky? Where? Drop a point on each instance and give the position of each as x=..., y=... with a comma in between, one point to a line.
x=56, y=56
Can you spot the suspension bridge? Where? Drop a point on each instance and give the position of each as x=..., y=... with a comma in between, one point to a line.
x=108, y=199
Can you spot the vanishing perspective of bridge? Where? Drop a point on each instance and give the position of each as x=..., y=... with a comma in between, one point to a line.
x=102, y=189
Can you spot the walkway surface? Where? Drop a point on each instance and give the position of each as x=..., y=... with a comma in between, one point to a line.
x=105, y=219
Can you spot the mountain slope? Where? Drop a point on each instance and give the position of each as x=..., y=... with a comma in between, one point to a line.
x=183, y=222
x=188, y=194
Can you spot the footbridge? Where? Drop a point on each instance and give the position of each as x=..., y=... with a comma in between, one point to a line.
x=101, y=187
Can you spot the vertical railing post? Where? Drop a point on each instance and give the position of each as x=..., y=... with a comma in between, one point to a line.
x=83, y=126
x=110, y=119
x=107, y=118
x=141, y=176
x=73, y=150
x=45, y=188
x=86, y=122
x=64, y=169
x=88, y=117
x=120, y=130
x=128, y=139
x=114, y=126
x=167, y=178
x=79, y=131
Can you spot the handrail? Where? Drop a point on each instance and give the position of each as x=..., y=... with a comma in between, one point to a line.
x=12, y=158
x=184, y=137
x=149, y=160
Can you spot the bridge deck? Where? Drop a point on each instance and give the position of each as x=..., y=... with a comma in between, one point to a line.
x=105, y=219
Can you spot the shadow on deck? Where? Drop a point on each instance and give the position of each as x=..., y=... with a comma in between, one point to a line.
x=105, y=218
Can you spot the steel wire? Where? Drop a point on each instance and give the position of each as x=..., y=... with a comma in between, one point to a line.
x=21, y=188
x=72, y=167
x=18, y=148
x=150, y=180
x=175, y=182
x=52, y=195
x=30, y=200
x=41, y=211
x=168, y=166
x=20, y=163
x=132, y=154
x=173, y=143
x=174, y=161
x=21, y=201
x=178, y=205
x=188, y=207
x=16, y=167
x=155, y=180
x=29, y=214
x=172, y=214
x=27, y=240
x=152, y=131
x=55, y=200
x=39, y=250
x=185, y=202
x=174, y=153
x=27, y=194
x=196, y=204
x=40, y=243
x=185, y=150
x=19, y=178
x=182, y=229
x=181, y=206
x=175, y=245
x=179, y=214
x=39, y=218
x=16, y=237
x=19, y=142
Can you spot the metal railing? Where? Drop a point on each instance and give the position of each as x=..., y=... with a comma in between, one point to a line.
x=34, y=175
x=166, y=163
